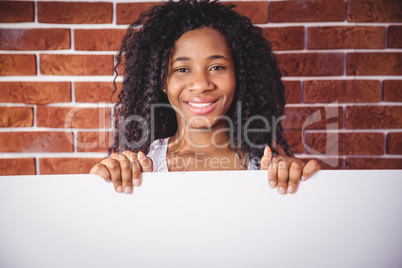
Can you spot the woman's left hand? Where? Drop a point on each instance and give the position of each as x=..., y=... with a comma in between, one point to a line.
x=285, y=172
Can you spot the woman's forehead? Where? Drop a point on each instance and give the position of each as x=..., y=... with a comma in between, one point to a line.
x=202, y=42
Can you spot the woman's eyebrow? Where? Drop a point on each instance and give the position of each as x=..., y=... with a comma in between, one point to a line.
x=216, y=57
x=213, y=57
x=181, y=59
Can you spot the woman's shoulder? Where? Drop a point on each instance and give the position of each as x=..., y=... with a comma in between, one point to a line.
x=157, y=152
x=159, y=143
x=253, y=165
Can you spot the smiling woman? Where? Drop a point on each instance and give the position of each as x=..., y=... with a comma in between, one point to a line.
x=200, y=87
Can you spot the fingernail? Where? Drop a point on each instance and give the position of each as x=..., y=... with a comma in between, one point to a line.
x=119, y=189
x=272, y=184
x=141, y=155
x=282, y=190
x=127, y=189
x=290, y=189
x=303, y=178
x=136, y=182
x=266, y=151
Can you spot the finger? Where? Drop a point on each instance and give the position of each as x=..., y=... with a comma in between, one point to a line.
x=101, y=171
x=145, y=162
x=266, y=158
x=283, y=175
x=135, y=168
x=272, y=173
x=294, y=176
x=311, y=167
x=125, y=169
x=113, y=167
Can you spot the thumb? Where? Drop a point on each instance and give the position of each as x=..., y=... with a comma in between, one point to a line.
x=266, y=158
x=145, y=162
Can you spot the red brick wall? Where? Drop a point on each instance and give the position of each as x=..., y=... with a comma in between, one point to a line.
x=55, y=56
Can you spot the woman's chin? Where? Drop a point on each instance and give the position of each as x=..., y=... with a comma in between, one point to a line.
x=200, y=125
x=205, y=123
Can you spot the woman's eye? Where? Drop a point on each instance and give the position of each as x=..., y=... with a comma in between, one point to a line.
x=216, y=68
x=181, y=70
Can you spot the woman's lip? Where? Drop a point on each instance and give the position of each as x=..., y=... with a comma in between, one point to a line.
x=211, y=105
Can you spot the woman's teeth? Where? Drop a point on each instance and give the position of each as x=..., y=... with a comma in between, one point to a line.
x=199, y=105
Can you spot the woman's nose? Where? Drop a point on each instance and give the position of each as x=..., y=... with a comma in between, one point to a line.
x=201, y=82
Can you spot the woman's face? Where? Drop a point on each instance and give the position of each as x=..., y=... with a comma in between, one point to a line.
x=201, y=78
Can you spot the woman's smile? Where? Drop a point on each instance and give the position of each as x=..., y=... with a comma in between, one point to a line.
x=201, y=106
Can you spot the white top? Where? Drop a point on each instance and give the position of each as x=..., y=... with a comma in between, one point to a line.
x=158, y=150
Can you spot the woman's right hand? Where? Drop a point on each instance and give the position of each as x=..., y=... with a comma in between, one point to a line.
x=124, y=170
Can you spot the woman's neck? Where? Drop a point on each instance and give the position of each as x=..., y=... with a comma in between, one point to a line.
x=198, y=140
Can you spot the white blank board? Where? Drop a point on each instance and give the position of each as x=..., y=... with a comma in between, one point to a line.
x=202, y=219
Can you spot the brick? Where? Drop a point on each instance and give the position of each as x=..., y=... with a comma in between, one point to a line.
x=35, y=92
x=373, y=163
x=98, y=39
x=374, y=63
x=295, y=117
x=327, y=163
x=395, y=36
x=256, y=11
x=294, y=140
x=94, y=141
x=16, y=64
x=96, y=91
x=394, y=143
x=51, y=64
x=292, y=91
x=374, y=11
x=126, y=13
x=392, y=90
x=337, y=37
x=17, y=166
x=347, y=143
x=34, y=39
x=285, y=38
x=13, y=11
x=72, y=117
x=373, y=117
x=311, y=64
x=49, y=166
x=16, y=117
x=326, y=91
x=307, y=11
x=74, y=12
x=35, y=142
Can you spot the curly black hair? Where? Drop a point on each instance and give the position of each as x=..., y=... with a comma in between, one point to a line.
x=145, y=51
